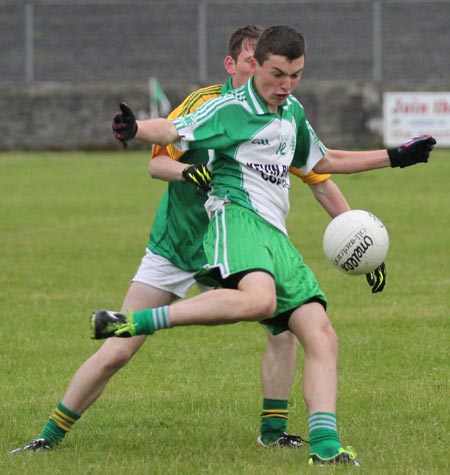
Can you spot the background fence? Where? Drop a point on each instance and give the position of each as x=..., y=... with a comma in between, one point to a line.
x=184, y=41
x=65, y=64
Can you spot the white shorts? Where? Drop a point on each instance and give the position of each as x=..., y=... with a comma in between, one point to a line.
x=160, y=273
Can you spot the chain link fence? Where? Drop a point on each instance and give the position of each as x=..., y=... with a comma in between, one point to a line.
x=184, y=41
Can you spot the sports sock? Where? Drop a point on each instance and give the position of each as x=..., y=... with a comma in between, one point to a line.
x=323, y=436
x=59, y=423
x=148, y=321
x=274, y=419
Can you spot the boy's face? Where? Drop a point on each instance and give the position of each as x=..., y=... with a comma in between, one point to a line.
x=276, y=78
x=244, y=66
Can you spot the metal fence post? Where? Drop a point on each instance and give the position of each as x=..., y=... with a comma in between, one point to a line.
x=377, y=55
x=29, y=40
x=202, y=42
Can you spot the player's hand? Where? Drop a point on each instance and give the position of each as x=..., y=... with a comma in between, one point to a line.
x=377, y=278
x=197, y=174
x=124, y=125
x=414, y=151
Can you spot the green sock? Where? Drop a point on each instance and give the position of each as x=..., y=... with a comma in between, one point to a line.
x=274, y=419
x=323, y=436
x=149, y=320
x=59, y=423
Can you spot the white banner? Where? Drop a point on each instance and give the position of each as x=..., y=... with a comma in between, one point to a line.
x=410, y=114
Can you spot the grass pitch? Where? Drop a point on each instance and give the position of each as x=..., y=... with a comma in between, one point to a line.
x=74, y=227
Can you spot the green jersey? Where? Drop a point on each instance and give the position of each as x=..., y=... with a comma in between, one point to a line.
x=181, y=220
x=253, y=150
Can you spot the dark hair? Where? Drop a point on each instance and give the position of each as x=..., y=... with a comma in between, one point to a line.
x=238, y=37
x=281, y=40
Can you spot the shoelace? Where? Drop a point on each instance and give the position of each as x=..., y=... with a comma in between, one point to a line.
x=350, y=451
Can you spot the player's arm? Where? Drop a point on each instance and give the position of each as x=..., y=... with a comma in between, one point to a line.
x=344, y=161
x=158, y=131
x=167, y=164
x=330, y=197
x=163, y=167
x=414, y=151
x=326, y=192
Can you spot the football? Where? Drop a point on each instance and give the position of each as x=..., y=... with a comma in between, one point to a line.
x=356, y=242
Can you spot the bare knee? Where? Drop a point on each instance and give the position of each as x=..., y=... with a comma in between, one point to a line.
x=116, y=353
x=262, y=307
x=285, y=342
x=313, y=328
x=260, y=300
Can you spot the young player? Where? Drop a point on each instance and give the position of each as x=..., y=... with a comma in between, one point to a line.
x=257, y=133
x=174, y=253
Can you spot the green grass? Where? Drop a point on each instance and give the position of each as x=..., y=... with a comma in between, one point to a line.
x=73, y=230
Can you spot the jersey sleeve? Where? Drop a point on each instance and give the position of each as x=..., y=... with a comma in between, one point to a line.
x=189, y=105
x=170, y=150
x=204, y=129
x=309, y=149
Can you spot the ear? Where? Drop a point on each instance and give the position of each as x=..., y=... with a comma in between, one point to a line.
x=230, y=65
x=253, y=64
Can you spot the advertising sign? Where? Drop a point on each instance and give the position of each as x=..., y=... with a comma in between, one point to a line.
x=410, y=114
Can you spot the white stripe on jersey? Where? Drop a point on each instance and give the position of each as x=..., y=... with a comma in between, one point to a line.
x=255, y=101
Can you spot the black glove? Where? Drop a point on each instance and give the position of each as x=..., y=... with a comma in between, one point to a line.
x=377, y=278
x=124, y=125
x=414, y=151
x=197, y=174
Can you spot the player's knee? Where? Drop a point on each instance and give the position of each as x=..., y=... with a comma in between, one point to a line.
x=314, y=330
x=114, y=354
x=261, y=307
x=324, y=340
x=284, y=346
x=283, y=341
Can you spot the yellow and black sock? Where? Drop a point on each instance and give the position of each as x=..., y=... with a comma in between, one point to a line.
x=59, y=423
x=274, y=419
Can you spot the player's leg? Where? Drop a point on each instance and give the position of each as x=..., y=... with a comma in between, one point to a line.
x=277, y=376
x=253, y=300
x=243, y=264
x=313, y=328
x=278, y=364
x=93, y=375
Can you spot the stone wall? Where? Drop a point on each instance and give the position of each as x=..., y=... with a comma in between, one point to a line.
x=75, y=117
x=49, y=116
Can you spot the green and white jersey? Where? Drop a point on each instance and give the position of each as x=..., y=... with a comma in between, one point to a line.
x=181, y=220
x=253, y=150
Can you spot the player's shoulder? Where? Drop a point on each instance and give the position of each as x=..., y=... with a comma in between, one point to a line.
x=198, y=97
